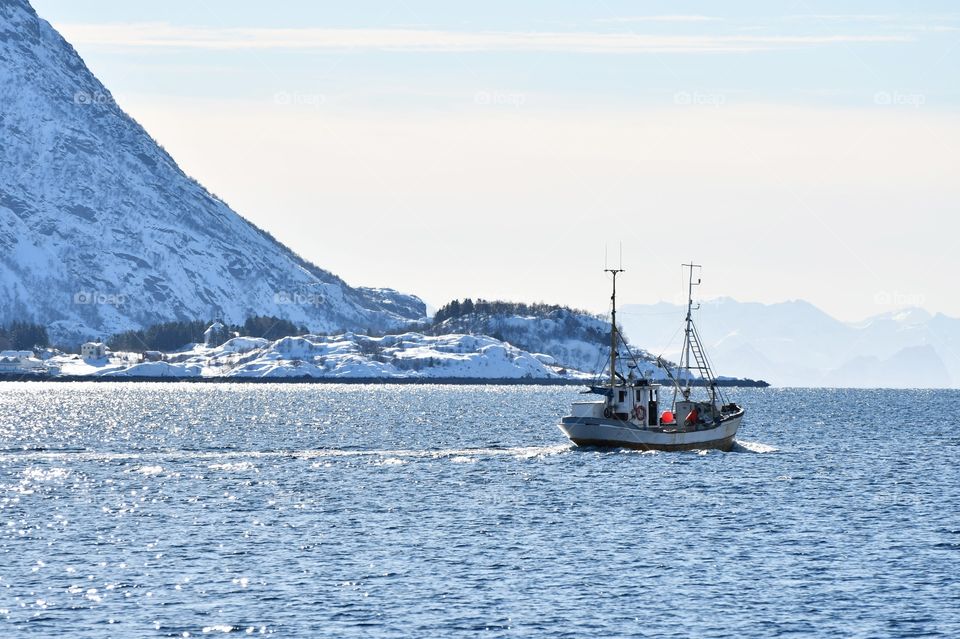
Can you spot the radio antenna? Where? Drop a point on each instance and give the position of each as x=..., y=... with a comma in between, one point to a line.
x=613, y=329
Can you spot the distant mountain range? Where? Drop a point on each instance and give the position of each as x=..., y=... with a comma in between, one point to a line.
x=100, y=230
x=796, y=344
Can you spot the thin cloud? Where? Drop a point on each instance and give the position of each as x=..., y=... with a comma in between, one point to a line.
x=666, y=18
x=876, y=18
x=162, y=35
x=845, y=17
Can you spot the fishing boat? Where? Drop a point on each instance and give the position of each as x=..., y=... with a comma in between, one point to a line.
x=630, y=415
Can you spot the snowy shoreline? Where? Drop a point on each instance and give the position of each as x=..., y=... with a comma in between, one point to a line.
x=408, y=381
x=407, y=358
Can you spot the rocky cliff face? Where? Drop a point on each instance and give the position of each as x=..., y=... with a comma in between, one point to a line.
x=100, y=230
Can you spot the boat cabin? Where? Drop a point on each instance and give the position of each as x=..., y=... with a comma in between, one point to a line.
x=639, y=403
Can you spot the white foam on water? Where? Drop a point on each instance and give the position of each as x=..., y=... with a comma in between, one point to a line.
x=520, y=452
x=756, y=447
x=174, y=456
x=233, y=467
x=150, y=470
x=537, y=452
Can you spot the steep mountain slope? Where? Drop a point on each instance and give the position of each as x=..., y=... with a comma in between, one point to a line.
x=100, y=230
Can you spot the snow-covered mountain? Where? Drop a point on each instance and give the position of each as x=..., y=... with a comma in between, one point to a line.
x=100, y=230
x=572, y=339
x=796, y=344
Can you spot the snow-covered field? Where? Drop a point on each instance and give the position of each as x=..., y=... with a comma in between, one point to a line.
x=410, y=355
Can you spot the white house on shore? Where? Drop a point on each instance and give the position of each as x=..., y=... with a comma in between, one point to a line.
x=20, y=362
x=93, y=350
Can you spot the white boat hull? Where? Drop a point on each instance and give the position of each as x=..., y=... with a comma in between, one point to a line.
x=614, y=433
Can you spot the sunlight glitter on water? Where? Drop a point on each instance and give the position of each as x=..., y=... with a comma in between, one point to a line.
x=296, y=511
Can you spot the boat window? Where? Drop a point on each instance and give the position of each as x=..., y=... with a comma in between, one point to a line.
x=623, y=396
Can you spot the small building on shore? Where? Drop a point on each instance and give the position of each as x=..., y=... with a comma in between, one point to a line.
x=18, y=362
x=93, y=350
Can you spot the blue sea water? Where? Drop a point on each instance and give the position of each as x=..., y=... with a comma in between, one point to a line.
x=175, y=510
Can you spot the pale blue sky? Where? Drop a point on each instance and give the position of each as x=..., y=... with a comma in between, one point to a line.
x=798, y=149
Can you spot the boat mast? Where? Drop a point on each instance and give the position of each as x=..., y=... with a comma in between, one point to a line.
x=613, y=327
x=689, y=336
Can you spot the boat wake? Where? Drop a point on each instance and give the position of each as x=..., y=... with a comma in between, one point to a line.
x=220, y=459
x=381, y=456
x=753, y=447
